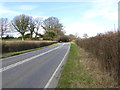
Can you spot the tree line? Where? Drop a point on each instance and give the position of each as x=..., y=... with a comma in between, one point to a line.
x=53, y=29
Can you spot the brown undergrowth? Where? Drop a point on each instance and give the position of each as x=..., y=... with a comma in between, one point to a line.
x=106, y=48
x=92, y=65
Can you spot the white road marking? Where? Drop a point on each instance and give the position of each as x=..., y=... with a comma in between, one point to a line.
x=13, y=56
x=48, y=83
x=26, y=60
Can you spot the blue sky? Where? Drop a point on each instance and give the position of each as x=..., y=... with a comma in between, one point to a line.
x=89, y=16
x=67, y=10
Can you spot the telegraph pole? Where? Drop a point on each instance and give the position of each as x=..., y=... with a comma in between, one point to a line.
x=119, y=43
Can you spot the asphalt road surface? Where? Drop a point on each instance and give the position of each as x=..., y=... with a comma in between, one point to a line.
x=33, y=69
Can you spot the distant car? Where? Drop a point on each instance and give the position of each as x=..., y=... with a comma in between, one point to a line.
x=60, y=41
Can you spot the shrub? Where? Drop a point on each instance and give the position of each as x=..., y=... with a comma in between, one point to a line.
x=64, y=39
x=10, y=46
x=106, y=47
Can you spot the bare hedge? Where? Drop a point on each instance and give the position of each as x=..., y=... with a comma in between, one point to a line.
x=13, y=46
x=106, y=47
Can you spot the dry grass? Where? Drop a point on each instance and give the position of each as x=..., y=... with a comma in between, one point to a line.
x=92, y=66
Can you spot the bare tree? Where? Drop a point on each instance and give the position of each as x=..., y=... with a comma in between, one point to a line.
x=31, y=26
x=52, y=23
x=72, y=37
x=3, y=26
x=21, y=23
x=52, y=26
x=85, y=35
x=38, y=23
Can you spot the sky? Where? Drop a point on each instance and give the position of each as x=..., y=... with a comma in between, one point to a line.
x=78, y=17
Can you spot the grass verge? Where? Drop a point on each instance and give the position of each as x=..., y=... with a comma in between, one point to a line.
x=76, y=74
x=24, y=51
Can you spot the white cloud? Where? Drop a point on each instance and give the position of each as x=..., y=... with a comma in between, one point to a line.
x=91, y=28
x=42, y=17
x=6, y=11
x=105, y=9
x=27, y=7
x=110, y=15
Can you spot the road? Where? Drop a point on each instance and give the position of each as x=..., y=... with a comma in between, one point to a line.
x=33, y=69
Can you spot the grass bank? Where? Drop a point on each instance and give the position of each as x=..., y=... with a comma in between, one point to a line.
x=77, y=72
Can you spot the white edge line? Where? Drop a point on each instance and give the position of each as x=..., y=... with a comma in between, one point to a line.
x=48, y=83
x=16, y=55
x=21, y=62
